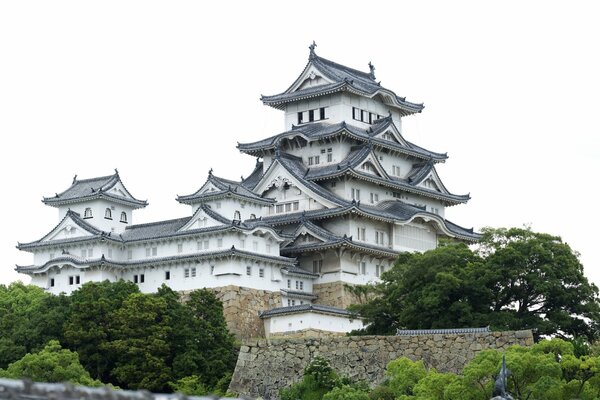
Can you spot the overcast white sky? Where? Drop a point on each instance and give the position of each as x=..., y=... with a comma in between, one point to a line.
x=164, y=90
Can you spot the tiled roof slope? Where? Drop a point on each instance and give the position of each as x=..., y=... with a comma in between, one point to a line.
x=342, y=78
x=320, y=130
x=226, y=188
x=90, y=189
x=318, y=308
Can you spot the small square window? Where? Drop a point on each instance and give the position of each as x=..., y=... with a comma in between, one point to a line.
x=261, y=272
x=186, y=273
x=249, y=270
x=193, y=272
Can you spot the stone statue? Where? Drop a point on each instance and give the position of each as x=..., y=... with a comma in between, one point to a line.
x=499, y=391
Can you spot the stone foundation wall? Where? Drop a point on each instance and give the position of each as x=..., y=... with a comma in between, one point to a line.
x=334, y=294
x=265, y=366
x=241, y=306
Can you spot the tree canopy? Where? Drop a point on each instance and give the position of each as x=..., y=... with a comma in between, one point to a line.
x=517, y=279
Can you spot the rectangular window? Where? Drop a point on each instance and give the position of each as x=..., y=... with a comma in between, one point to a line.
x=362, y=268
x=70, y=280
x=297, y=285
x=279, y=208
x=167, y=275
x=289, y=283
x=90, y=253
x=333, y=184
x=199, y=245
x=261, y=272
x=51, y=282
x=288, y=207
x=355, y=194
x=329, y=154
x=293, y=302
x=141, y=278
x=212, y=269
x=379, y=269
x=206, y=243
x=379, y=237
x=255, y=246
x=301, y=285
x=355, y=113
x=129, y=254
x=317, y=159
x=180, y=248
x=296, y=205
x=300, y=118
x=135, y=279
x=360, y=233
x=268, y=248
x=322, y=113
x=311, y=115
x=77, y=281
x=186, y=273
x=310, y=161
x=193, y=272
x=249, y=270
x=219, y=242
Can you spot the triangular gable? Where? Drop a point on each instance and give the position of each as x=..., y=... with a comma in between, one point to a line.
x=69, y=228
x=118, y=190
x=310, y=77
x=306, y=238
x=432, y=181
x=200, y=220
x=277, y=175
x=392, y=134
x=371, y=165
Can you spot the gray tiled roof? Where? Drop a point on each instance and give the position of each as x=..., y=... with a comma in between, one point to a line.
x=227, y=188
x=389, y=211
x=102, y=261
x=28, y=390
x=320, y=130
x=297, y=294
x=90, y=189
x=414, y=332
x=96, y=234
x=299, y=271
x=252, y=180
x=343, y=79
x=318, y=308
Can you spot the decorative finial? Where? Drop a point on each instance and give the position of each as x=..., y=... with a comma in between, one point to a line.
x=116, y=171
x=312, y=50
x=210, y=172
x=372, y=69
x=75, y=178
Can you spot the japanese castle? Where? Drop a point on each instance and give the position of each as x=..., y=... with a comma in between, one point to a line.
x=331, y=203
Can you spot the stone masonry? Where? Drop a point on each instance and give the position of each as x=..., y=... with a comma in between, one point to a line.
x=334, y=294
x=265, y=366
x=241, y=306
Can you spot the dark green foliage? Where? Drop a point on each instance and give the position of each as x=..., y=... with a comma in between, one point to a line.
x=518, y=280
x=29, y=318
x=51, y=364
x=321, y=380
x=91, y=324
x=133, y=340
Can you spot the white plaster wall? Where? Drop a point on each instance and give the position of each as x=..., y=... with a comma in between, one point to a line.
x=98, y=211
x=333, y=113
x=310, y=320
x=349, y=100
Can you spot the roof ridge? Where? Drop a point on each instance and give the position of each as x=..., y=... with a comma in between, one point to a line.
x=365, y=75
x=156, y=222
x=94, y=179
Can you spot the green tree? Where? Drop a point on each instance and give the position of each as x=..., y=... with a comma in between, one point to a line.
x=190, y=385
x=537, y=282
x=518, y=279
x=436, y=289
x=91, y=323
x=51, y=364
x=140, y=333
x=319, y=378
x=29, y=318
x=346, y=392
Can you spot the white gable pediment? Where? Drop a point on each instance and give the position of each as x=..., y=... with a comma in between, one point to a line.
x=119, y=190
x=277, y=179
x=306, y=238
x=432, y=182
x=310, y=77
x=392, y=135
x=200, y=220
x=67, y=229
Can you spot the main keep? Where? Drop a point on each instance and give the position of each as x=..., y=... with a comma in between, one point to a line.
x=331, y=202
